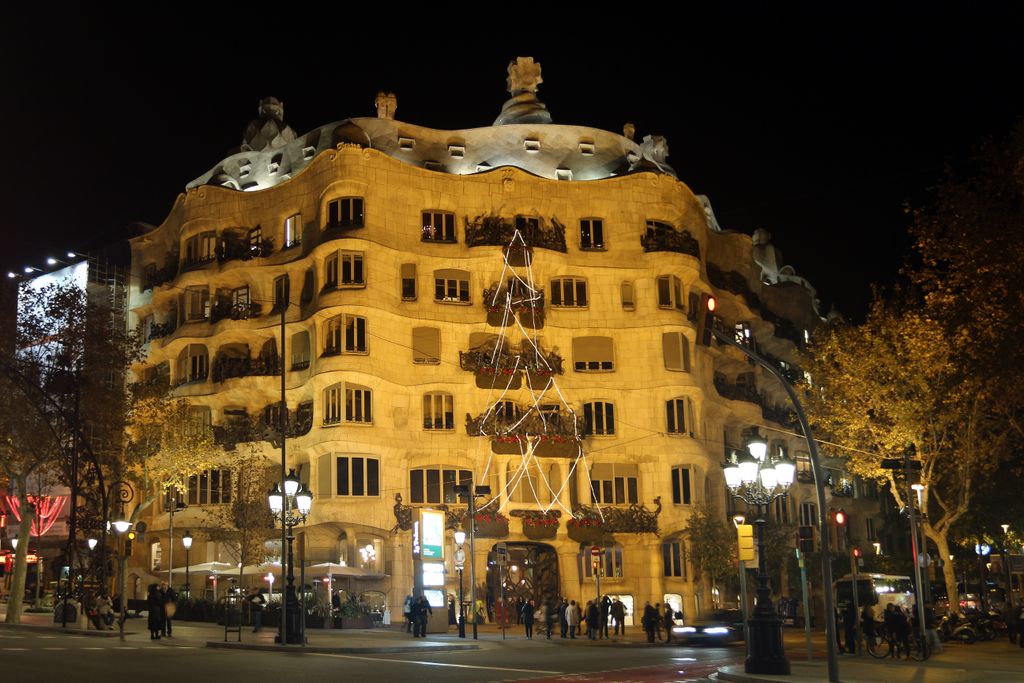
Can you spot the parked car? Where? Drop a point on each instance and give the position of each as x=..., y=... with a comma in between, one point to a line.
x=717, y=628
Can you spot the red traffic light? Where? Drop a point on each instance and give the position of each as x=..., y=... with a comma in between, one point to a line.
x=856, y=551
x=840, y=518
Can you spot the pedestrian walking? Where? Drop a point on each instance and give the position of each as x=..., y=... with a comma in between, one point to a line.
x=649, y=621
x=155, y=605
x=572, y=618
x=593, y=617
x=618, y=614
x=550, y=615
x=170, y=606
x=527, y=616
x=867, y=624
x=669, y=623
x=563, y=621
x=452, y=621
x=930, y=631
x=579, y=619
x=257, y=602
x=850, y=627
x=407, y=613
x=421, y=611
x=1011, y=617
x=606, y=606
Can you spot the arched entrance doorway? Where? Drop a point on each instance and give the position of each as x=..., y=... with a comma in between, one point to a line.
x=531, y=574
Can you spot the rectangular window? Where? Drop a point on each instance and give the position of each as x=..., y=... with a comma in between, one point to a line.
x=682, y=485
x=438, y=411
x=451, y=286
x=569, y=292
x=678, y=415
x=358, y=404
x=426, y=345
x=676, y=348
x=331, y=271
x=293, y=230
x=438, y=226
x=626, y=292
x=201, y=248
x=212, y=487
x=599, y=418
x=674, y=554
x=614, y=484
x=808, y=514
x=256, y=241
x=670, y=292
x=352, y=268
x=197, y=305
x=408, y=282
x=357, y=476
x=345, y=213
x=332, y=405
x=592, y=234
x=610, y=563
x=592, y=354
x=528, y=224
x=435, y=485
x=280, y=292
x=869, y=528
x=355, y=334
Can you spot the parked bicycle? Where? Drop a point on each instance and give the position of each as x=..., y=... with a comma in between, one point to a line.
x=885, y=644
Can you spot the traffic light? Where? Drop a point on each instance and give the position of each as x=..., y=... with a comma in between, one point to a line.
x=706, y=319
x=745, y=542
x=840, y=519
x=805, y=539
x=856, y=551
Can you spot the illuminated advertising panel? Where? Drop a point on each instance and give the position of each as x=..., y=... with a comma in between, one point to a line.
x=432, y=534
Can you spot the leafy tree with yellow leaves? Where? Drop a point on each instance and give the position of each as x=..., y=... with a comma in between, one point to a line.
x=895, y=382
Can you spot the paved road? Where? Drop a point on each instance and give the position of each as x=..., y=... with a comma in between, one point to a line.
x=28, y=655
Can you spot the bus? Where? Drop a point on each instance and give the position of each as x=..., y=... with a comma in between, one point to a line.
x=878, y=590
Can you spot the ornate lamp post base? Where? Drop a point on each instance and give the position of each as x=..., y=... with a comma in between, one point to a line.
x=766, y=653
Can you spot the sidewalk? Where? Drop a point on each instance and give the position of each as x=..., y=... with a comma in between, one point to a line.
x=989, y=662
x=386, y=640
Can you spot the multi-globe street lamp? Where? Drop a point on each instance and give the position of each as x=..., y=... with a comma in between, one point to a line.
x=757, y=478
x=460, y=562
x=290, y=502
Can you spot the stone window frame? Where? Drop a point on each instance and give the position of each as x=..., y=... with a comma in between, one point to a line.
x=588, y=227
x=599, y=412
x=571, y=285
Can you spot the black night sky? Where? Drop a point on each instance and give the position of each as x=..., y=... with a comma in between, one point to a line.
x=819, y=129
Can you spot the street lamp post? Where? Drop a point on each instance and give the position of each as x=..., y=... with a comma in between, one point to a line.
x=186, y=542
x=1006, y=563
x=460, y=561
x=290, y=502
x=121, y=526
x=757, y=479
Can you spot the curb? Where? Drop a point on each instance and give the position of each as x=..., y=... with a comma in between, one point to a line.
x=69, y=631
x=320, y=649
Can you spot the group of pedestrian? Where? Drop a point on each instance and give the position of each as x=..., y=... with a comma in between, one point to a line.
x=161, y=601
x=416, y=611
x=654, y=620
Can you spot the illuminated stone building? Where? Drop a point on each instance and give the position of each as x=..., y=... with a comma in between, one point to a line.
x=455, y=296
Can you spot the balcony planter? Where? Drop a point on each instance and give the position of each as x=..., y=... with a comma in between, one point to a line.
x=498, y=378
x=531, y=317
x=490, y=525
x=518, y=255
x=557, y=447
x=539, y=378
x=496, y=316
x=540, y=528
x=508, y=445
x=585, y=530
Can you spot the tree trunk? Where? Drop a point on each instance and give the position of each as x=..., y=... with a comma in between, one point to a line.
x=17, y=596
x=948, y=570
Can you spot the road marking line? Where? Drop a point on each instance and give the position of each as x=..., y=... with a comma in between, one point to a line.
x=125, y=647
x=455, y=666
x=46, y=636
x=54, y=648
x=90, y=648
x=15, y=649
